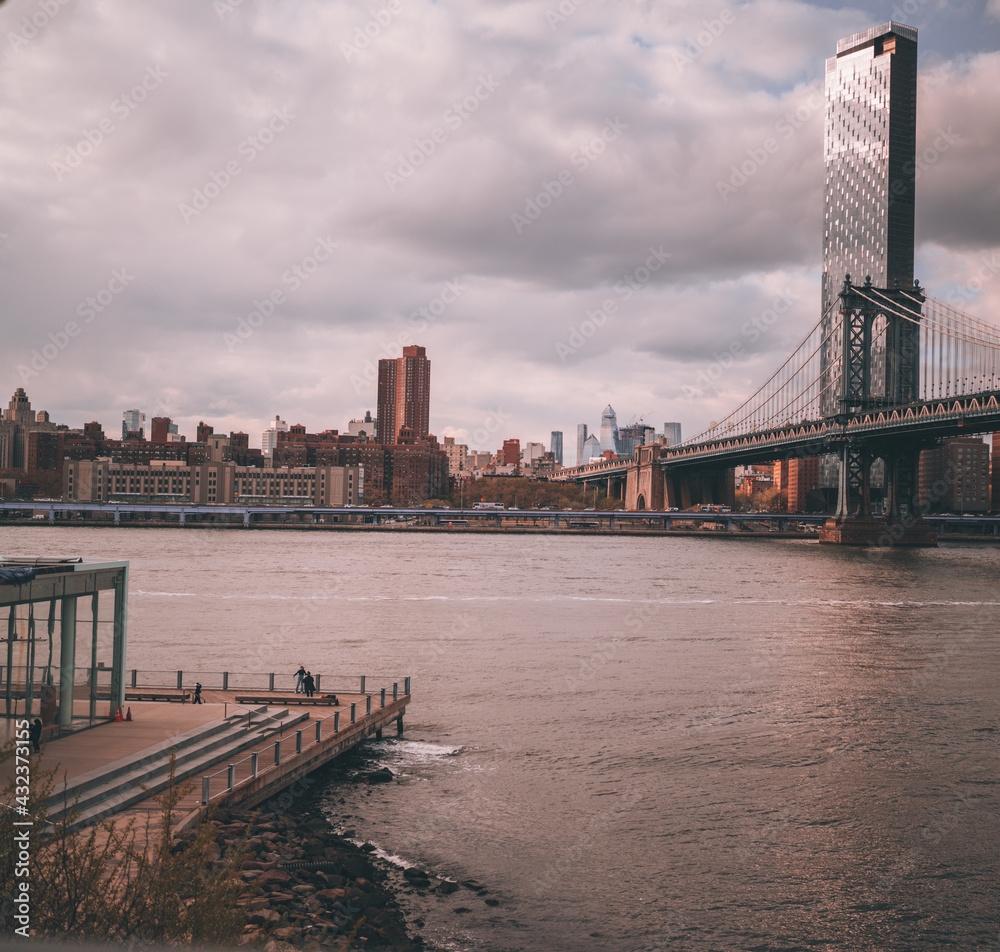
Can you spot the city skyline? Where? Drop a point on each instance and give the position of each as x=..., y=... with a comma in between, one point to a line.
x=190, y=237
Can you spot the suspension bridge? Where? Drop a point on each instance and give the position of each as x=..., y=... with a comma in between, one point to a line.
x=884, y=373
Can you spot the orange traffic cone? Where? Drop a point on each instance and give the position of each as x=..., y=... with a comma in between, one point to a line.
x=118, y=716
x=128, y=714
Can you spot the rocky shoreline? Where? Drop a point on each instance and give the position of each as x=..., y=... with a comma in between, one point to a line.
x=310, y=888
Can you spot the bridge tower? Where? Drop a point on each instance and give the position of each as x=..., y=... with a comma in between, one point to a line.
x=880, y=370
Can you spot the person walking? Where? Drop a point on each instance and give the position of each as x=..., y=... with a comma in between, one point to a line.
x=300, y=677
x=197, y=699
x=309, y=684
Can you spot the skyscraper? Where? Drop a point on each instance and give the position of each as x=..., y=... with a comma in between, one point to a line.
x=404, y=395
x=581, y=438
x=557, y=446
x=133, y=425
x=672, y=433
x=609, y=430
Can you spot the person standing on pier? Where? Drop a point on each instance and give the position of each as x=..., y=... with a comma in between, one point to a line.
x=300, y=676
x=309, y=684
x=35, y=734
x=197, y=694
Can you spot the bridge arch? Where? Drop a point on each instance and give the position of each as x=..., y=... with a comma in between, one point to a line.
x=640, y=503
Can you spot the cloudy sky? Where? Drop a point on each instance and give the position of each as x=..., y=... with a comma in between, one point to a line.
x=230, y=210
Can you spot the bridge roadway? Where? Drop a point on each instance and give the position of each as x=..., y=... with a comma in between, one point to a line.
x=557, y=519
x=927, y=420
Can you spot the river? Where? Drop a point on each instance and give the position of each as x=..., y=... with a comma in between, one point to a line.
x=632, y=743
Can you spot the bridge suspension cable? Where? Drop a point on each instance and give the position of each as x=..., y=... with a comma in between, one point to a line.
x=959, y=355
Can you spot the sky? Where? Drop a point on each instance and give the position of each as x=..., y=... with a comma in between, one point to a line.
x=228, y=210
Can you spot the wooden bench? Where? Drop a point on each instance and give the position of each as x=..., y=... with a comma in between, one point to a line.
x=294, y=699
x=155, y=695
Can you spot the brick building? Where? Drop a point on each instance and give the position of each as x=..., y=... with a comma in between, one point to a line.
x=955, y=476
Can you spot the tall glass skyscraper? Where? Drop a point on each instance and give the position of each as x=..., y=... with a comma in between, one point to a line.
x=609, y=430
x=557, y=446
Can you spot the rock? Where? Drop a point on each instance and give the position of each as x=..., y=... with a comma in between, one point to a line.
x=384, y=775
x=367, y=848
x=416, y=876
x=461, y=909
x=264, y=917
x=473, y=884
x=304, y=888
x=446, y=887
x=492, y=902
x=331, y=895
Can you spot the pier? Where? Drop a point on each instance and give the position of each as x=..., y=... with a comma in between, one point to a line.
x=232, y=754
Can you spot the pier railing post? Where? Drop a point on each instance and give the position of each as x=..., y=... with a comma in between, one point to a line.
x=362, y=691
x=135, y=675
x=336, y=721
x=353, y=710
x=277, y=752
x=180, y=680
x=319, y=731
x=270, y=681
x=383, y=698
x=406, y=686
x=368, y=704
x=205, y=784
x=253, y=763
x=395, y=690
x=316, y=680
x=225, y=680
x=298, y=742
x=231, y=777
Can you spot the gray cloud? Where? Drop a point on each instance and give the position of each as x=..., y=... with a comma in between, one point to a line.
x=414, y=140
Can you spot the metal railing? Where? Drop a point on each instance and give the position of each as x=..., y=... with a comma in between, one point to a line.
x=229, y=772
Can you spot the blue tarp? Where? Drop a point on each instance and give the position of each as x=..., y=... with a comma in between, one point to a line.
x=16, y=576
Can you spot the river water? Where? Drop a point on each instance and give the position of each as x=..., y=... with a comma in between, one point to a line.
x=634, y=744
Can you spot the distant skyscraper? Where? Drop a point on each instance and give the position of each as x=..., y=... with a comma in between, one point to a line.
x=557, y=446
x=581, y=438
x=672, y=433
x=404, y=395
x=591, y=449
x=609, y=430
x=269, y=438
x=134, y=423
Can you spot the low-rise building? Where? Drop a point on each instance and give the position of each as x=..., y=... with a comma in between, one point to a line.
x=218, y=482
